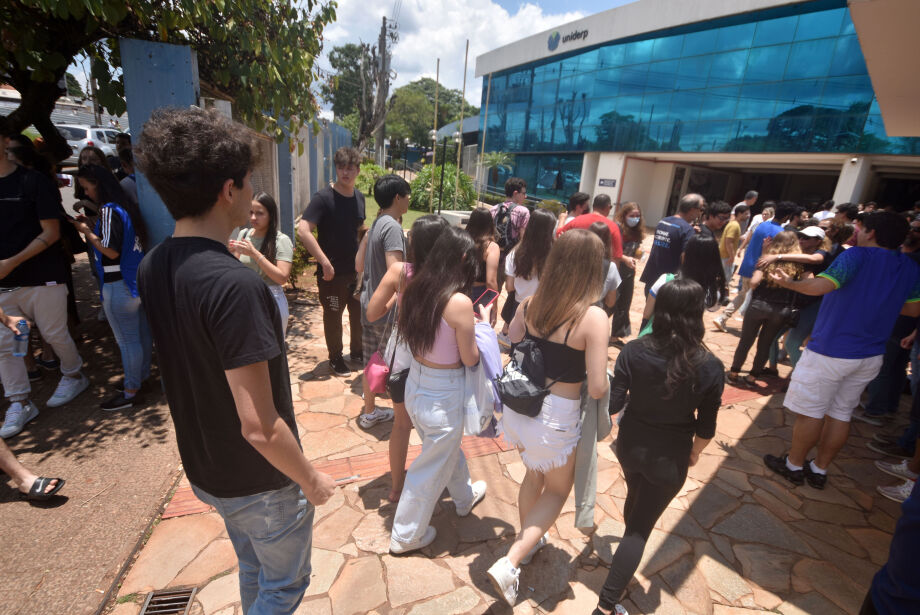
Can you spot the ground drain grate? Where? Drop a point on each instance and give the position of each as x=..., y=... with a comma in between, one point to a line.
x=169, y=602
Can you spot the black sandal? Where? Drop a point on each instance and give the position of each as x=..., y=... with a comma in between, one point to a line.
x=37, y=492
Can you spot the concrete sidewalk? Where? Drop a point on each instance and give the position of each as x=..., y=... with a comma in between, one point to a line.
x=735, y=541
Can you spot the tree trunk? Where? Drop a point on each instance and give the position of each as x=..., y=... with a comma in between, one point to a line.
x=38, y=98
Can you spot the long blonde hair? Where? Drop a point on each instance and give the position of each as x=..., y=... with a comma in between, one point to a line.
x=571, y=281
x=786, y=242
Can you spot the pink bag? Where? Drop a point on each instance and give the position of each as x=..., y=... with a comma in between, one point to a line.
x=376, y=373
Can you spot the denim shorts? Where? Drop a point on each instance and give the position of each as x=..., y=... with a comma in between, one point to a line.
x=547, y=439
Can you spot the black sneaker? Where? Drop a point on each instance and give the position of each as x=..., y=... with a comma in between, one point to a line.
x=889, y=449
x=120, y=386
x=814, y=479
x=118, y=401
x=778, y=465
x=50, y=364
x=339, y=367
x=358, y=359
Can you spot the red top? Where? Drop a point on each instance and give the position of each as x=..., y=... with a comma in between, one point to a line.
x=585, y=220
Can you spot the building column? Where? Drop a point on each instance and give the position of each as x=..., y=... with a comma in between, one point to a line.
x=156, y=75
x=854, y=176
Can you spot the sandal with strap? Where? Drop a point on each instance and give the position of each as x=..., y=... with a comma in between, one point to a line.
x=37, y=492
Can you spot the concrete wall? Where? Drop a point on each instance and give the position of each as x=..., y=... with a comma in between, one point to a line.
x=854, y=179
x=588, y=181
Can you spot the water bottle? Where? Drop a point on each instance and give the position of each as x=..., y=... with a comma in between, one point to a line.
x=21, y=339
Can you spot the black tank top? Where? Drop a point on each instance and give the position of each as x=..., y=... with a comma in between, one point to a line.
x=561, y=362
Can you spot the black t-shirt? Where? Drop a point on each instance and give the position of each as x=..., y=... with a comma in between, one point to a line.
x=666, y=423
x=337, y=218
x=27, y=198
x=671, y=237
x=208, y=313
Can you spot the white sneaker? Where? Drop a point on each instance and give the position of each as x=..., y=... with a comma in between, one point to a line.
x=719, y=323
x=17, y=415
x=479, y=492
x=67, y=389
x=504, y=579
x=540, y=544
x=399, y=548
x=899, y=470
x=379, y=415
x=898, y=493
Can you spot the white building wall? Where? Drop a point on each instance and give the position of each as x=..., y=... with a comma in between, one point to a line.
x=854, y=178
x=588, y=182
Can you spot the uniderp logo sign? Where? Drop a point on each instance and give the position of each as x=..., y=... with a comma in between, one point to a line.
x=555, y=38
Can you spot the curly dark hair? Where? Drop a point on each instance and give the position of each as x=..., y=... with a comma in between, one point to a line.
x=188, y=155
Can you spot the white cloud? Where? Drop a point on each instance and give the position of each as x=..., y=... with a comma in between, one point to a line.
x=431, y=29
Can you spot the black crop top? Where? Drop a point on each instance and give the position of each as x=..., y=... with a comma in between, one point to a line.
x=561, y=362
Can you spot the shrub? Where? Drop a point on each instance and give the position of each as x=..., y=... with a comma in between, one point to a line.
x=492, y=199
x=369, y=174
x=300, y=263
x=554, y=206
x=422, y=186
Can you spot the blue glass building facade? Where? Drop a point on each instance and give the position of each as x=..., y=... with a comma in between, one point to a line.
x=781, y=80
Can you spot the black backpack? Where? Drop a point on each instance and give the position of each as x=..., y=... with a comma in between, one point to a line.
x=520, y=386
x=503, y=227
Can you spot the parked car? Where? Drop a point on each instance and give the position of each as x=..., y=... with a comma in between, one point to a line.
x=79, y=136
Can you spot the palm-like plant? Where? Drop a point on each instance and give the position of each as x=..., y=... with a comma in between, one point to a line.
x=497, y=160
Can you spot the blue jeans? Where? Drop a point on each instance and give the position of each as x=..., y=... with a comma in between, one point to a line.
x=129, y=324
x=272, y=534
x=808, y=315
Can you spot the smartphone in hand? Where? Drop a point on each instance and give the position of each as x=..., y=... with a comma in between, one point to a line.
x=486, y=298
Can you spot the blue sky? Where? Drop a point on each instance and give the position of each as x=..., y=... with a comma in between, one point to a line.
x=585, y=6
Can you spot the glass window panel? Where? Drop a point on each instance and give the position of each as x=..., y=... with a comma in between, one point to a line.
x=685, y=106
x=633, y=79
x=757, y=101
x=728, y=68
x=735, y=37
x=607, y=82
x=719, y=103
x=848, y=58
x=638, y=51
x=766, y=63
x=629, y=106
x=819, y=25
x=662, y=75
x=847, y=27
x=749, y=136
x=682, y=137
x=544, y=93
x=698, y=43
x=668, y=47
x=712, y=136
x=810, y=59
x=655, y=107
x=693, y=72
x=797, y=93
x=842, y=93
x=774, y=31
x=612, y=55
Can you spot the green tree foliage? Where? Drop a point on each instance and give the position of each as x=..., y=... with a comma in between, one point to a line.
x=410, y=115
x=448, y=101
x=494, y=161
x=259, y=52
x=429, y=178
x=344, y=89
x=73, y=87
x=369, y=174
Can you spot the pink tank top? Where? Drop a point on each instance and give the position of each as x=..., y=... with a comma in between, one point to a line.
x=445, y=350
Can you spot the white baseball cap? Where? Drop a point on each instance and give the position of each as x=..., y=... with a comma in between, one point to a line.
x=812, y=232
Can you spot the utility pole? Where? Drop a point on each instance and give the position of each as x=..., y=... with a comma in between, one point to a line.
x=466, y=56
x=383, y=73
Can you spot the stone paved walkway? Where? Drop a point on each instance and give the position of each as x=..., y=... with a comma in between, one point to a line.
x=735, y=541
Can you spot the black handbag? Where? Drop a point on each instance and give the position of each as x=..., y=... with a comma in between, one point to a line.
x=521, y=384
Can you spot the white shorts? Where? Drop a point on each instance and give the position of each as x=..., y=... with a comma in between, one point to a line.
x=824, y=386
x=547, y=439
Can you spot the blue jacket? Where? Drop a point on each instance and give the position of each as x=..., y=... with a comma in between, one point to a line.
x=130, y=253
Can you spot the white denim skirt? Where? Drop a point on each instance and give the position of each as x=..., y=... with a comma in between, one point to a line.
x=547, y=439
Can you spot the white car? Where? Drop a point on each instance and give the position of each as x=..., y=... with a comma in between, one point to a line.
x=79, y=136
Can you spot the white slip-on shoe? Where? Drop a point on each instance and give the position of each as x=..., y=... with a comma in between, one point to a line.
x=398, y=548
x=67, y=389
x=479, y=492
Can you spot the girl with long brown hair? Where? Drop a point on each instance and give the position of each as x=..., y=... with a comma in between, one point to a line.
x=481, y=227
x=770, y=309
x=571, y=332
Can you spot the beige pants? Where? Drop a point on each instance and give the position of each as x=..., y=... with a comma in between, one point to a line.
x=46, y=307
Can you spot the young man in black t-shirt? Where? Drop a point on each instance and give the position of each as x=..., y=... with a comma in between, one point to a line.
x=218, y=334
x=336, y=212
x=33, y=276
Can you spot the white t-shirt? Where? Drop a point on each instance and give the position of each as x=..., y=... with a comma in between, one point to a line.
x=522, y=288
x=613, y=279
x=823, y=215
x=755, y=222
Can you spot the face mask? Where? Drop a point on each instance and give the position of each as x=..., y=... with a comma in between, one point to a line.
x=632, y=221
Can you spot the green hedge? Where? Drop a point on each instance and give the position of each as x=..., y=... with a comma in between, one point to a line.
x=423, y=185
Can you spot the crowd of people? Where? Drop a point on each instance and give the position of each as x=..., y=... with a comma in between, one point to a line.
x=424, y=305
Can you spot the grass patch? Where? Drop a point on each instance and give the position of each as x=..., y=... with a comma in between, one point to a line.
x=128, y=598
x=371, y=208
